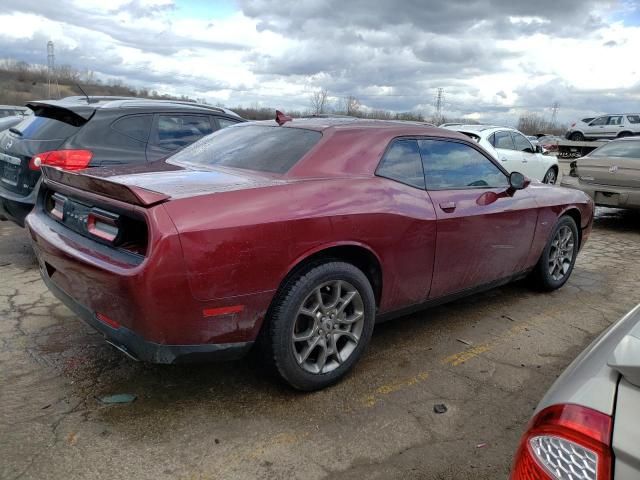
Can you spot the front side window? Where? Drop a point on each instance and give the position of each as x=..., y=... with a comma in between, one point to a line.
x=451, y=165
x=521, y=142
x=599, y=121
x=503, y=140
x=177, y=131
x=250, y=147
x=623, y=148
x=403, y=164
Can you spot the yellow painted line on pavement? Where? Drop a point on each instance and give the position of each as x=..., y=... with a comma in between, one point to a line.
x=381, y=391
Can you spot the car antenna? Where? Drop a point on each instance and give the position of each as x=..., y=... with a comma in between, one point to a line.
x=83, y=92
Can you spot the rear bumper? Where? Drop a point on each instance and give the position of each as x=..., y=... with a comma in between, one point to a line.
x=606, y=195
x=15, y=207
x=138, y=348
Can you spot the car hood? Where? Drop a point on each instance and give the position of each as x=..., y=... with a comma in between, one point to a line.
x=592, y=378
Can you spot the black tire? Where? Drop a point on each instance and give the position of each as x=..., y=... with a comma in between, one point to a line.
x=576, y=137
x=625, y=134
x=284, y=314
x=541, y=276
x=551, y=177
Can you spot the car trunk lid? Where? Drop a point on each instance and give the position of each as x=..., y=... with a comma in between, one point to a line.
x=613, y=171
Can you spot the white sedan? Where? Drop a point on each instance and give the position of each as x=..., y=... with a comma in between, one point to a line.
x=513, y=150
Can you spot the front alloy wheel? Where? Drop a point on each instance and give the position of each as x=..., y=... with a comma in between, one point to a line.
x=551, y=177
x=561, y=253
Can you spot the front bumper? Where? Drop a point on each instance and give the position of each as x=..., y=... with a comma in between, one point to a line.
x=606, y=195
x=138, y=348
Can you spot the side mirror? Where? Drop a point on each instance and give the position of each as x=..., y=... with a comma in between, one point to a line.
x=539, y=149
x=518, y=181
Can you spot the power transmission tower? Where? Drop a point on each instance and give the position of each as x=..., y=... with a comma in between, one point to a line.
x=51, y=67
x=439, y=104
x=554, y=113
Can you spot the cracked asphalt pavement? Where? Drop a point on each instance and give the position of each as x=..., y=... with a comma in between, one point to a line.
x=488, y=358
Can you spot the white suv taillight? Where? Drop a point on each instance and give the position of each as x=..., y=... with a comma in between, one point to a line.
x=565, y=442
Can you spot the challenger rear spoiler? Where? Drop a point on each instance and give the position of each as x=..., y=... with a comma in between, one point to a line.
x=118, y=191
x=73, y=114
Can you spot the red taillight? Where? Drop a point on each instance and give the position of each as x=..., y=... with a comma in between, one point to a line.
x=66, y=159
x=565, y=442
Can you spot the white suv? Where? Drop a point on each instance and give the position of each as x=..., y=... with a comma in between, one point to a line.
x=513, y=150
x=606, y=126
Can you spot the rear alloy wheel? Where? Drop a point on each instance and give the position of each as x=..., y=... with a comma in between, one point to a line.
x=576, y=137
x=551, y=177
x=320, y=325
x=559, y=256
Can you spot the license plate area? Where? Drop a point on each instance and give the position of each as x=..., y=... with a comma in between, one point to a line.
x=9, y=169
x=607, y=198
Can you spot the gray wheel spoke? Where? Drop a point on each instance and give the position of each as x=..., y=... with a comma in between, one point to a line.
x=331, y=311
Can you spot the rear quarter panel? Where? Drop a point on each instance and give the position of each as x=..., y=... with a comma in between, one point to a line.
x=245, y=242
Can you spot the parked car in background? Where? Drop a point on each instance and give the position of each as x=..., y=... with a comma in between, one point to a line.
x=8, y=122
x=301, y=233
x=14, y=110
x=549, y=144
x=81, y=132
x=606, y=126
x=609, y=174
x=514, y=151
x=586, y=426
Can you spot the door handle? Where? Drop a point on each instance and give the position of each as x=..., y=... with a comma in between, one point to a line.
x=504, y=159
x=448, y=206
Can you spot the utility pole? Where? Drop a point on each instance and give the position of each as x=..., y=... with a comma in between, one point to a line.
x=51, y=68
x=554, y=113
x=439, y=103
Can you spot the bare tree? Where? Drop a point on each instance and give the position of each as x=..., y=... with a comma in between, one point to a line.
x=351, y=105
x=319, y=101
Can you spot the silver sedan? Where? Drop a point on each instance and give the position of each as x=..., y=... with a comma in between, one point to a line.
x=588, y=424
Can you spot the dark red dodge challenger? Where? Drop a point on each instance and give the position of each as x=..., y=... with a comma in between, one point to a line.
x=296, y=237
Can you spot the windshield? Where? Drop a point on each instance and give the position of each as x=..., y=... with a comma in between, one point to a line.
x=626, y=148
x=252, y=147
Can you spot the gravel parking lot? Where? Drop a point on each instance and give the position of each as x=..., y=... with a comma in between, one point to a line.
x=488, y=359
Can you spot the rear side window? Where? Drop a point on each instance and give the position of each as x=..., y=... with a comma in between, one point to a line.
x=633, y=118
x=402, y=163
x=503, y=140
x=252, y=147
x=177, y=131
x=451, y=165
x=43, y=128
x=225, y=122
x=134, y=126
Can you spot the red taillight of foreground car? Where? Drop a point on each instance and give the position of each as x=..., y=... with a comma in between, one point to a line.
x=565, y=442
x=66, y=159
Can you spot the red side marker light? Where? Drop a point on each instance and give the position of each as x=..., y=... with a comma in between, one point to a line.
x=107, y=321
x=281, y=118
x=215, y=312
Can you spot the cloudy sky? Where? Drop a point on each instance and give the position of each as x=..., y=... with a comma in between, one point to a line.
x=493, y=58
